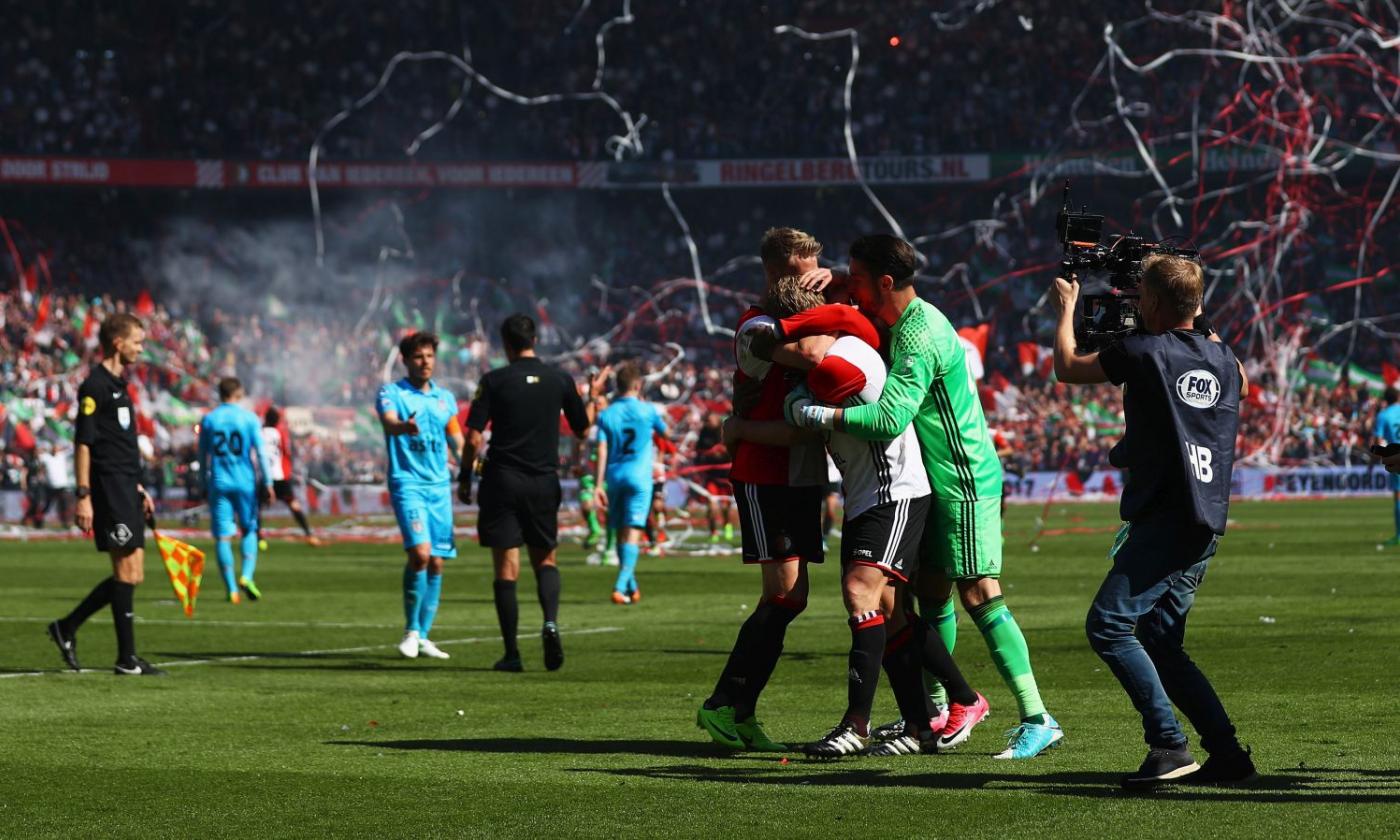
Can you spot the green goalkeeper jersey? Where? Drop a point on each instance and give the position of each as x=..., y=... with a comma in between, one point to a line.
x=930, y=385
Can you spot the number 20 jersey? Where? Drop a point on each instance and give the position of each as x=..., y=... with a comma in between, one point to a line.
x=228, y=437
x=419, y=460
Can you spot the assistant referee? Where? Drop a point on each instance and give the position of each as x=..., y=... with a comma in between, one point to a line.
x=112, y=504
x=519, y=495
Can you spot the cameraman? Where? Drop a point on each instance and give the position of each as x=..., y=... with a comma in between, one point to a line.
x=1181, y=403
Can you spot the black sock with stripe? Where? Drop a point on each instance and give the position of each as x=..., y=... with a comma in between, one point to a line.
x=863, y=674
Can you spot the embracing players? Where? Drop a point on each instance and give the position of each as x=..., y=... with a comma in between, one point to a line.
x=230, y=443
x=420, y=428
x=929, y=386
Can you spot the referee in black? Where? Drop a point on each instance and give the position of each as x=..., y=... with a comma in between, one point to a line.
x=519, y=495
x=112, y=504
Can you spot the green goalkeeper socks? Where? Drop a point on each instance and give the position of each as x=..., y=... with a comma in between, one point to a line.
x=944, y=619
x=1010, y=654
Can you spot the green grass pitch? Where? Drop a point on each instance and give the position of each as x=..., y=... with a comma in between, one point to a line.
x=294, y=717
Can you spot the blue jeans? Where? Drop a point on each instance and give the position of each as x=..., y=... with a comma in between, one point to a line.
x=1137, y=625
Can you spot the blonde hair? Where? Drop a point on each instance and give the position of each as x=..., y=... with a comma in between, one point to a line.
x=780, y=245
x=788, y=297
x=1178, y=283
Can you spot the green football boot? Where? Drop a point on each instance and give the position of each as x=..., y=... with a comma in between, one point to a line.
x=721, y=726
x=754, y=738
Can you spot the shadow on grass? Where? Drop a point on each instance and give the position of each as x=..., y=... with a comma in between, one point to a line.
x=1289, y=786
x=553, y=746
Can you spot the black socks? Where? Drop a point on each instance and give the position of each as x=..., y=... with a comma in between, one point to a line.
x=507, y=613
x=547, y=587
x=122, y=596
x=99, y=597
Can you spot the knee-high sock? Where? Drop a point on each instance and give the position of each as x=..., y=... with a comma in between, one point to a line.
x=863, y=668
x=547, y=588
x=99, y=597
x=1010, y=654
x=936, y=659
x=415, y=586
x=904, y=669
x=122, y=616
x=944, y=620
x=768, y=649
x=250, y=555
x=300, y=517
x=734, y=679
x=507, y=614
x=627, y=567
x=223, y=552
x=428, y=604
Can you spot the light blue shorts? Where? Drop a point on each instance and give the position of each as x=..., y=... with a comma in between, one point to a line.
x=232, y=510
x=425, y=516
x=628, y=504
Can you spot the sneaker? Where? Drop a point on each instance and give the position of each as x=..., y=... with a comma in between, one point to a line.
x=313, y=541
x=250, y=588
x=594, y=559
x=729, y=531
x=619, y=598
x=509, y=664
x=721, y=725
x=714, y=539
x=137, y=667
x=1225, y=769
x=888, y=731
x=899, y=745
x=432, y=651
x=961, y=720
x=1029, y=740
x=843, y=740
x=553, y=648
x=1162, y=766
x=751, y=732
x=408, y=648
x=636, y=596
x=67, y=645
x=235, y=598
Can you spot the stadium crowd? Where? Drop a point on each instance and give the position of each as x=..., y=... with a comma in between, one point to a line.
x=697, y=71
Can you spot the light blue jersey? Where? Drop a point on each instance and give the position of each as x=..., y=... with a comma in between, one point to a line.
x=230, y=438
x=627, y=426
x=419, y=460
x=1388, y=424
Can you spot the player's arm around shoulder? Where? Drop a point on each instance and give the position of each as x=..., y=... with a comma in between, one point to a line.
x=914, y=361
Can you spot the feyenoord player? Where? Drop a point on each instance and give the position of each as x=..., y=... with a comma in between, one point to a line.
x=887, y=499
x=112, y=504
x=778, y=492
x=718, y=494
x=230, y=444
x=277, y=443
x=420, y=428
x=930, y=387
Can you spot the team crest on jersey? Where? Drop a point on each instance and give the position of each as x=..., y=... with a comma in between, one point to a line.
x=1198, y=388
x=121, y=534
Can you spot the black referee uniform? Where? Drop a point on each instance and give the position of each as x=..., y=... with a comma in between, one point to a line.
x=107, y=427
x=519, y=496
x=520, y=493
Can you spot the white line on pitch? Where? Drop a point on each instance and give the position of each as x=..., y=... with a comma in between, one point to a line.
x=191, y=622
x=217, y=660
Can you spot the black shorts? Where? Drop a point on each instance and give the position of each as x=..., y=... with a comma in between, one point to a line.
x=780, y=523
x=118, y=523
x=282, y=491
x=886, y=537
x=517, y=508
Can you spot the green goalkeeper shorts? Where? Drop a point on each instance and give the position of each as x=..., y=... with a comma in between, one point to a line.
x=963, y=538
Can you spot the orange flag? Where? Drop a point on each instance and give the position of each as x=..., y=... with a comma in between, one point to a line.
x=185, y=563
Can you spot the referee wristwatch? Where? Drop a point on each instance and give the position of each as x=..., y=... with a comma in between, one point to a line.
x=82, y=492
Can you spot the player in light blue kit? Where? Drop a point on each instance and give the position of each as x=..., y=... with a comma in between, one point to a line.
x=230, y=443
x=1387, y=431
x=420, y=428
x=624, y=473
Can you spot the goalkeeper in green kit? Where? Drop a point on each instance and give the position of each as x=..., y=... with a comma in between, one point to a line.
x=929, y=385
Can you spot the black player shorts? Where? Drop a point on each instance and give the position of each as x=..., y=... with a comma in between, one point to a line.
x=517, y=508
x=780, y=523
x=886, y=537
x=118, y=523
x=282, y=491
